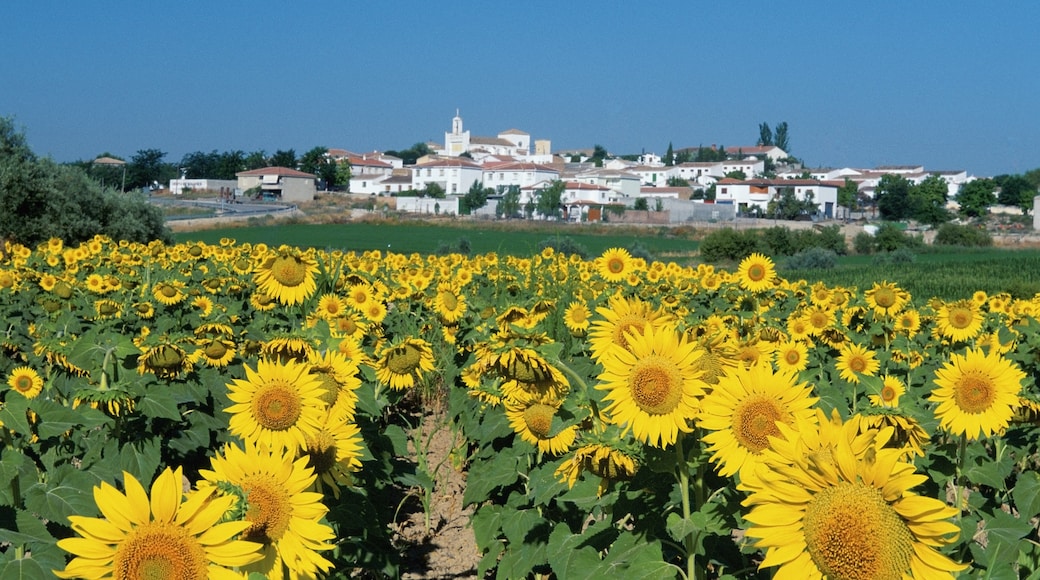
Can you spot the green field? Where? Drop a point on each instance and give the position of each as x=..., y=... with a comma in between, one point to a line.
x=950, y=274
x=426, y=238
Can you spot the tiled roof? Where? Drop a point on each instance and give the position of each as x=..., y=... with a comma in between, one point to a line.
x=449, y=162
x=517, y=166
x=513, y=132
x=491, y=141
x=280, y=171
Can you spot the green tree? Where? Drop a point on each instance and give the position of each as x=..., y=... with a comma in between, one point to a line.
x=509, y=205
x=781, y=138
x=976, y=197
x=641, y=204
x=550, y=199
x=40, y=199
x=255, y=160
x=146, y=167
x=317, y=161
x=765, y=134
x=475, y=198
x=738, y=174
x=676, y=181
x=283, y=159
x=412, y=154
x=228, y=164
x=599, y=153
x=1015, y=190
x=848, y=194
x=344, y=171
x=433, y=190
x=892, y=196
x=787, y=206
x=928, y=201
x=669, y=156
x=199, y=165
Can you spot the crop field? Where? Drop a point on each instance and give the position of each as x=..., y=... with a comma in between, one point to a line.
x=248, y=409
x=425, y=238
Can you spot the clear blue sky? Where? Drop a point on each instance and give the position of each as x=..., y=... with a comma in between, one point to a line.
x=950, y=85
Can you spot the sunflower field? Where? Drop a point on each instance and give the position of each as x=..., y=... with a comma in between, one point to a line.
x=236, y=410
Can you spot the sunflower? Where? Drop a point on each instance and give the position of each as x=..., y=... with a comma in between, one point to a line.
x=403, y=363
x=339, y=380
x=330, y=306
x=622, y=316
x=279, y=512
x=744, y=410
x=856, y=360
x=846, y=512
x=654, y=385
x=792, y=356
x=26, y=381
x=537, y=422
x=334, y=450
x=158, y=535
x=527, y=375
x=287, y=275
x=886, y=299
x=278, y=405
x=976, y=393
x=888, y=396
x=576, y=317
x=605, y=455
x=204, y=305
x=214, y=351
x=614, y=265
x=907, y=433
x=169, y=293
x=262, y=301
x=959, y=321
x=908, y=321
x=163, y=356
x=756, y=273
x=449, y=303
x=143, y=309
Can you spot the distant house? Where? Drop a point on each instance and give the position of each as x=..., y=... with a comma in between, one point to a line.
x=746, y=194
x=517, y=173
x=758, y=152
x=281, y=183
x=453, y=174
x=623, y=182
x=222, y=186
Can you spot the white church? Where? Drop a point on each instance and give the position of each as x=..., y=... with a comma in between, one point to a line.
x=511, y=144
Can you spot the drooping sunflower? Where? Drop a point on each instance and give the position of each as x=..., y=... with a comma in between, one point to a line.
x=907, y=434
x=288, y=275
x=959, y=320
x=339, y=380
x=743, y=411
x=157, y=535
x=280, y=513
x=614, y=265
x=756, y=273
x=856, y=360
x=976, y=393
x=536, y=422
x=169, y=293
x=214, y=351
x=26, y=381
x=654, y=385
x=334, y=450
x=278, y=405
x=403, y=363
x=847, y=513
x=622, y=316
x=606, y=455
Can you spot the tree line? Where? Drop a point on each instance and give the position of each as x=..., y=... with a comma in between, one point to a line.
x=41, y=199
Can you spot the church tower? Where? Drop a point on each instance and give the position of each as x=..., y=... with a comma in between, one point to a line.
x=457, y=142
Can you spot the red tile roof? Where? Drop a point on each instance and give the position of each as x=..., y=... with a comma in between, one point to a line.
x=280, y=171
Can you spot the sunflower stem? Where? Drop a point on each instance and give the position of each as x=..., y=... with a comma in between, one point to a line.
x=962, y=453
x=690, y=541
x=575, y=377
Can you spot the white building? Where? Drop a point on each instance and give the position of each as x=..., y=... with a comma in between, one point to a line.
x=746, y=194
x=703, y=173
x=758, y=152
x=625, y=183
x=511, y=142
x=428, y=205
x=522, y=174
x=453, y=174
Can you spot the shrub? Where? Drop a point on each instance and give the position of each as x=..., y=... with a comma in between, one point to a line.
x=639, y=251
x=863, y=243
x=813, y=259
x=890, y=238
x=962, y=235
x=903, y=255
x=729, y=244
x=565, y=245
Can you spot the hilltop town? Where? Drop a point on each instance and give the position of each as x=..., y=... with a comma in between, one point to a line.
x=512, y=175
